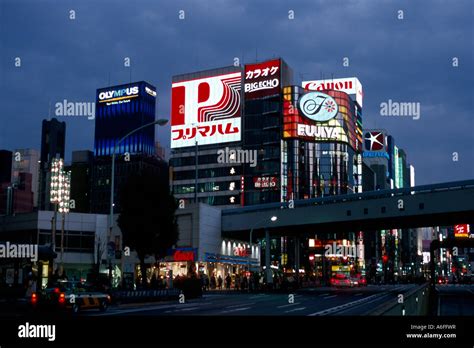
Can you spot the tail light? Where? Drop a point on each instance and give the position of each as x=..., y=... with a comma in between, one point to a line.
x=62, y=298
x=56, y=290
x=34, y=298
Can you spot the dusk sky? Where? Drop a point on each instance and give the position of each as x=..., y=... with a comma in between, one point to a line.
x=404, y=60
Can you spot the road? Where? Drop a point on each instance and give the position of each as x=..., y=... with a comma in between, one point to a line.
x=312, y=302
x=454, y=299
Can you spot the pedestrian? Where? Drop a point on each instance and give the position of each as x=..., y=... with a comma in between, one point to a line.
x=228, y=281
x=237, y=282
x=219, y=282
x=213, y=281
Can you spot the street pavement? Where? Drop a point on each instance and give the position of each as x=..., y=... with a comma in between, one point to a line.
x=455, y=299
x=311, y=302
x=323, y=301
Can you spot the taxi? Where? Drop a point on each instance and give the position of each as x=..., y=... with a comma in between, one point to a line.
x=72, y=296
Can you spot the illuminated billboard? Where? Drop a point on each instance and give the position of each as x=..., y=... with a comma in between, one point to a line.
x=262, y=79
x=319, y=116
x=318, y=106
x=461, y=231
x=206, y=110
x=349, y=85
x=121, y=109
x=118, y=96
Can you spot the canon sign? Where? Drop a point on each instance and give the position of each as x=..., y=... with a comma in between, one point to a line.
x=350, y=85
x=118, y=94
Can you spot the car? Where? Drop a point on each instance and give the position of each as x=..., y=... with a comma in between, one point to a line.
x=341, y=280
x=358, y=280
x=442, y=280
x=70, y=296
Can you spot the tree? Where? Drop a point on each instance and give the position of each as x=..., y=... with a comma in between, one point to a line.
x=147, y=217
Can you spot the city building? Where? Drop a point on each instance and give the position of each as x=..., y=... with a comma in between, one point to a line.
x=17, y=197
x=82, y=240
x=206, y=134
x=53, y=142
x=5, y=166
x=27, y=161
x=81, y=180
x=119, y=110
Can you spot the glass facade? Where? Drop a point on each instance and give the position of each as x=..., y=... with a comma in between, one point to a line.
x=318, y=162
x=119, y=110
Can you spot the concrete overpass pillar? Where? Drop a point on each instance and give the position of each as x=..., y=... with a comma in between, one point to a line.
x=268, y=270
x=297, y=259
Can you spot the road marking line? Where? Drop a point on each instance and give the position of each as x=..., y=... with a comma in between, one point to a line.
x=186, y=309
x=359, y=294
x=330, y=296
x=237, y=309
x=240, y=305
x=296, y=309
x=324, y=294
x=288, y=305
x=329, y=310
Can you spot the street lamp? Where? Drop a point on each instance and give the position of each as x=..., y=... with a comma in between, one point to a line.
x=160, y=122
x=59, y=196
x=272, y=219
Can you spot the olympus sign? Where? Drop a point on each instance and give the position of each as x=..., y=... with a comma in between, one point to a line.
x=318, y=106
x=261, y=85
x=125, y=92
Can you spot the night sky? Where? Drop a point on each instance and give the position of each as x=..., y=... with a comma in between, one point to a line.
x=405, y=60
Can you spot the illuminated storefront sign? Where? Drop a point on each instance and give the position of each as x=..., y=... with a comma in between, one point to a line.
x=318, y=106
x=262, y=79
x=350, y=85
x=118, y=94
x=371, y=154
x=206, y=110
x=184, y=254
x=375, y=141
x=150, y=91
x=318, y=132
x=265, y=182
x=461, y=230
x=316, y=116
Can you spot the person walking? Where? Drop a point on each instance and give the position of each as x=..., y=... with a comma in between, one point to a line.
x=219, y=282
x=228, y=281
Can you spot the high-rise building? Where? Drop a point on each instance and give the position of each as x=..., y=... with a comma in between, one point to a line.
x=120, y=110
x=17, y=197
x=81, y=180
x=53, y=142
x=27, y=161
x=206, y=136
x=5, y=166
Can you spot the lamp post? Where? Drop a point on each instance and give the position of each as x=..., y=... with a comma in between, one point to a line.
x=59, y=196
x=272, y=219
x=160, y=122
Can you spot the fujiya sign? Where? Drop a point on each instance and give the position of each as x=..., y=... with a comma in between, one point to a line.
x=318, y=106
